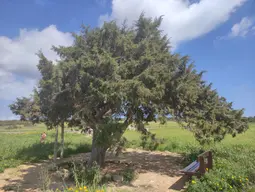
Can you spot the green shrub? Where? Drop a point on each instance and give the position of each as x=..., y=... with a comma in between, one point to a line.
x=129, y=175
x=84, y=175
x=132, y=144
x=150, y=142
x=219, y=181
x=45, y=179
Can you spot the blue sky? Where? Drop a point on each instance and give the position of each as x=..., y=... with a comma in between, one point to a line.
x=218, y=35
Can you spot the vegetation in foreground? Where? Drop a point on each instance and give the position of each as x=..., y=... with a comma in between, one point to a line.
x=234, y=167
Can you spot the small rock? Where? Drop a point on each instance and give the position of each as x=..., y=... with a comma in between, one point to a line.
x=52, y=167
x=63, y=174
x=66, y=173
x=107, y=177
x=117, y=178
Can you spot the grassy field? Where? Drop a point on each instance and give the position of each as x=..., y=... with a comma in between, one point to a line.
x=23, y=145
x=233, y=157
x=181, y=140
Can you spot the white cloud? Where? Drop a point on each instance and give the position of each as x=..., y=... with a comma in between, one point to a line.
x=11, y=87
x=183, y=20
x=242, y=28
x=253, y=29
x=18, y=71
x=17, y=55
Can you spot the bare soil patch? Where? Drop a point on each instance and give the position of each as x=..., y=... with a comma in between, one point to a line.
x=157, y=171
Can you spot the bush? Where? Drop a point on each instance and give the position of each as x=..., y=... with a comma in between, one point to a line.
x=132, y=144
x=177, y=145
x=84, y=175
x=218, y=180
x=150, y=142
x=129, y=175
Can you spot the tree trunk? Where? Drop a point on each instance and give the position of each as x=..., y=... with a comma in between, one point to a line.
x=62, y=139
x=56, y=145
x=97, y=152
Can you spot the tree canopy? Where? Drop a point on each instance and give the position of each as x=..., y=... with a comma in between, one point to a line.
x=115, y=71
x=27, y=108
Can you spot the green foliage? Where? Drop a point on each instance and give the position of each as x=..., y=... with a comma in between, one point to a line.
x=112, y=71
x=45, y=179
x=84, y=175
x=27, y=108
x=129, y=175
x=233, y=170
x=219, y=181
x=49, y=85
x=109, y=133
x=150, y=142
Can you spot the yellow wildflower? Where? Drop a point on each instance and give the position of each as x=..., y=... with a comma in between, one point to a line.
x=247, y=179
x=193, y=182
x=80, y=188
x=84, y=187
x=206, y=169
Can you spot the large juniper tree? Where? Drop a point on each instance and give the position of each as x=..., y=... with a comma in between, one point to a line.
x=117, y=71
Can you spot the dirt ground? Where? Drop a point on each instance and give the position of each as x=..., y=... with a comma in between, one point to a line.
x=157, y=171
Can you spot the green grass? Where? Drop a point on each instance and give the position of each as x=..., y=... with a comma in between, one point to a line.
x=178, y=139
x=175, y=135
x=17, y=148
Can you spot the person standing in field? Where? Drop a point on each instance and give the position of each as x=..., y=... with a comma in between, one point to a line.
x=43, y=137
